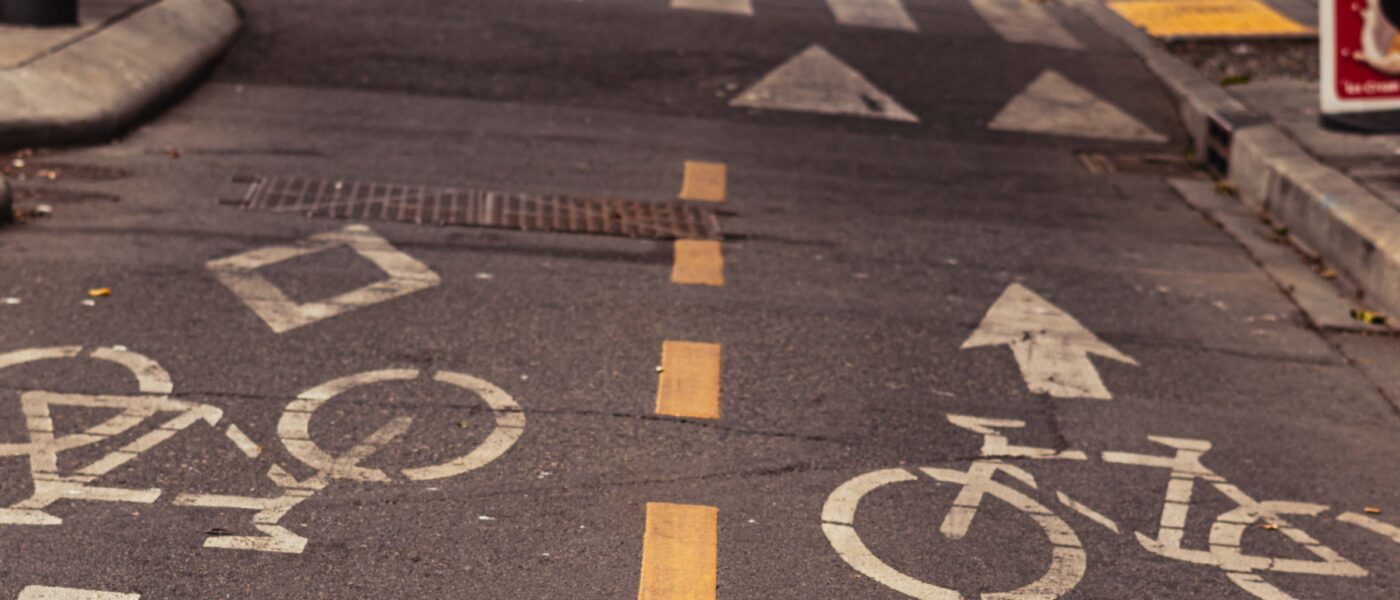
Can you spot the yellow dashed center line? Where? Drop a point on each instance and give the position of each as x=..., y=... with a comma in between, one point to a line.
x=704, y=181
x=698, y=262
x=680, y=552
x=689, y=382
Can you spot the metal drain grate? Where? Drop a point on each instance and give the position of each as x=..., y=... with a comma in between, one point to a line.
x=364, y=200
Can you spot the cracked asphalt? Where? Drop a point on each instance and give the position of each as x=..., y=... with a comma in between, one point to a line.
x=859, y=256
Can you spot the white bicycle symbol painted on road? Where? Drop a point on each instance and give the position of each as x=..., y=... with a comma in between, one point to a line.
x=1068, y=562
x=153, y=398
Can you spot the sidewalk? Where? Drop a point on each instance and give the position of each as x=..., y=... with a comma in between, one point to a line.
x=88, y=83
x=1251, y=107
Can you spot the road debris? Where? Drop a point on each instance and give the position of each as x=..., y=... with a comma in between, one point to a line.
x=1368, y=317
x=41, y=211
x=100, y=292
x=1371, y=510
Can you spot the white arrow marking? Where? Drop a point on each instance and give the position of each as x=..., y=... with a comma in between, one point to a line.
x=1051, y=347
x=1056, y=106
x=816, y=81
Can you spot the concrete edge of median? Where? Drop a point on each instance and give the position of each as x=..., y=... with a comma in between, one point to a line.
x=96, y=87
x=1357, y=233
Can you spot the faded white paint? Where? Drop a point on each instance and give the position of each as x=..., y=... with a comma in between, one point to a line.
x=43, y=592
x=1025, y=22
x=733, y=7
x=1373, y=525
x=239, y=273
x=1051, y=348
x=815, y=81
x=1068, y=562
x=1053, y=105
x=879, y=14
x=1088, y=513
x=995, y=445
x=44, y=445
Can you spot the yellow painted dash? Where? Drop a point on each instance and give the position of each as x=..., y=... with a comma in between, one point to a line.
x=704, y=181
x=680, y=552
x=1206, y=18
x=689, y=382
x=698, y=262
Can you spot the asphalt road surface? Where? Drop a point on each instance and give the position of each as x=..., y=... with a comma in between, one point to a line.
x=941, y=358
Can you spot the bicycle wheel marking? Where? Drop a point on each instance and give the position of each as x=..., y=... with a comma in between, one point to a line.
x=1068, y=561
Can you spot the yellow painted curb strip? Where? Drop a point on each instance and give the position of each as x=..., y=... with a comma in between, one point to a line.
x=1206, y=18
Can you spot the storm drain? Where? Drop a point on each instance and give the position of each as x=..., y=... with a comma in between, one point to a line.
x=406, y=203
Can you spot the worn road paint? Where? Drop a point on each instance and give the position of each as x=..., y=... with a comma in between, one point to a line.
x=689, y=381
x=680, y=552
x=1373, y=525
x=733, y=7
x=704, y=181
x=1051, y=348
x=239, y=273
x=996, y=445
x=879, y=14
x=1053, y=105
x=43, y=592
x=1208, y=18
x=815, y=81
x=1068, y=561
x=698, y=262
x=1024, y=22
x=1087, y=512
x=44, y=446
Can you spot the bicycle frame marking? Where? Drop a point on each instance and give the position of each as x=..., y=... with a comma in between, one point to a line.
x=1068, y=563
x=155, y=386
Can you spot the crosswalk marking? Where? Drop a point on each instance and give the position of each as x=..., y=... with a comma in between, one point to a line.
x=689, y=382
x=815, y=81
x=680, y=552
x=1025, y=22
x=733, y=7
x=1054, y=105
x=882, y=14
x=704, y=181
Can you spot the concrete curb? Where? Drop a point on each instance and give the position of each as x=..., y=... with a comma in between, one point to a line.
x=99, y=85
x=1357, y=233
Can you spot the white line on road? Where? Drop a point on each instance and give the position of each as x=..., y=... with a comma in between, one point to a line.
x=1088, y=513
x=881, y=14
x=733, y=7
x=1025, y=22
x=43, y=592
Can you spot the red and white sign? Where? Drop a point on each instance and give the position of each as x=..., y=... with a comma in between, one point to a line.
x=1360, y=55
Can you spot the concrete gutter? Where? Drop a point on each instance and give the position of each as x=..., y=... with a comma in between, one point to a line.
x=1355, y=232
x=94, y=88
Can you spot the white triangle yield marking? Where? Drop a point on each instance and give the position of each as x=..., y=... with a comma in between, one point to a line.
x=1025, y=22
x=880, y=14
x=815, y=81
x=1056, y=106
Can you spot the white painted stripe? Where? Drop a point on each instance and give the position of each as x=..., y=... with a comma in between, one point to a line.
x=881, y=14
x=1025, y=22
x=1372, y=525
x=733, y=7
x=1053, y=105
x=1088, y=513
x=43, y=592
x=816, y=81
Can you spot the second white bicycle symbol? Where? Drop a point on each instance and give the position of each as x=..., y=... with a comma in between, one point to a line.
x=1068, y=563
x=154, y=387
